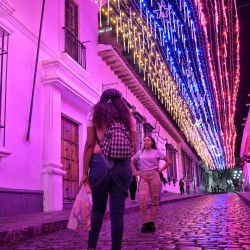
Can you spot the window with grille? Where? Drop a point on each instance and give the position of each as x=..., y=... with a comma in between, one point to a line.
x=4, y=44
x=187, y=166
x=197, y=174
x=73, y=46
x=204, y=177
x=139, y=130
x=147, y=128
x=171, y=154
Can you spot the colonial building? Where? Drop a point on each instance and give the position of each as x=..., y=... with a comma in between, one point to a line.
x=55, y=62
x=245, y=153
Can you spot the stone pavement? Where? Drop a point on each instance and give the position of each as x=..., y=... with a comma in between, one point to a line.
x=21, y=227
x=218, y=221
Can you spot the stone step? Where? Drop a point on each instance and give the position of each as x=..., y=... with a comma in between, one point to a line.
x=25, y=226
x=245, y=196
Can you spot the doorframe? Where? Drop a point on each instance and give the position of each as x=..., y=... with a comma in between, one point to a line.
x=68, y=205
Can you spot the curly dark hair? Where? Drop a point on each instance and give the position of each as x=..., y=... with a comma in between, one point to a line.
x=111, y=108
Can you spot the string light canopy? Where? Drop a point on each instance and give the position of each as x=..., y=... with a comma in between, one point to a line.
x=187, y=53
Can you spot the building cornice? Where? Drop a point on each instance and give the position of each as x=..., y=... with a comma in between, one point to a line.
x=118, y=66
x=6, y=13
x=65, y=74
x=10, y=23
x=6, y=9
x=4, y=153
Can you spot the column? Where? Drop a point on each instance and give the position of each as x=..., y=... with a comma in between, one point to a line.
x=52, y=167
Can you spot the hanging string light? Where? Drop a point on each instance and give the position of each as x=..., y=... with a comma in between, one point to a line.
x=189, y=63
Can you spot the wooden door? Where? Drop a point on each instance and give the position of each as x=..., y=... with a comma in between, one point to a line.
x=70, y=159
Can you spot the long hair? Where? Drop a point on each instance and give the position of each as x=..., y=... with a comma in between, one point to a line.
x=152, y=140
x=111, y=108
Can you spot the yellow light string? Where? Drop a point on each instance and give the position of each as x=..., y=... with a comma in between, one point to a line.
x=173, y=102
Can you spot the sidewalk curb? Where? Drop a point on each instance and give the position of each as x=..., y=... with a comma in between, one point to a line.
x=16, y=235
x=137, y=208
x=7, y=237
x=243, y=198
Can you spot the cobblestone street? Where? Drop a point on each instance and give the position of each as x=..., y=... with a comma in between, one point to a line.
x=211, y=222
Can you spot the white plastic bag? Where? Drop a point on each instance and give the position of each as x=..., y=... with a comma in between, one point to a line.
x=80, y=216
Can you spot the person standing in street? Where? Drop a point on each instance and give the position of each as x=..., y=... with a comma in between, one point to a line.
x=181, y=184
x=108, y=175
x=133, y=188
x=188, y=185
x=148, y=169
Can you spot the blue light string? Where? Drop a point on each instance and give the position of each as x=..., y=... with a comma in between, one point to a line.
x=173, y=55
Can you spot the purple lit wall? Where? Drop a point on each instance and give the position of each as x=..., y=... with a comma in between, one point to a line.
x=245, y=153
x=63, y=88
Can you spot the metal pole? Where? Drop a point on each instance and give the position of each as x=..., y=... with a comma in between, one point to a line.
x=34, y=78
x=6, y=81
x=1, y=75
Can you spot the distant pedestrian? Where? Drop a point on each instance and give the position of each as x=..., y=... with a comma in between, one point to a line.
x=148, y=164
x=188, y=185
x=133, y=188
x=181, y=184
x=239, y=186
x=108, y=172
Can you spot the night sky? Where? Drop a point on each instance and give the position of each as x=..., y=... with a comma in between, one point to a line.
x=244, y=87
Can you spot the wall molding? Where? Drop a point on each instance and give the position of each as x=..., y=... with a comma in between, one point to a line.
x=21, y=191
x=4, y=153
x=71, y=78
x=11, y=24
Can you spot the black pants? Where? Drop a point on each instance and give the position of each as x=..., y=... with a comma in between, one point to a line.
x=132, y=188
x=112, y=183
x=182, y=189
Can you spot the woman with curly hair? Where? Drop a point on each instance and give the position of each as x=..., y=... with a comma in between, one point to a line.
x=107, y=177
x=148, y=164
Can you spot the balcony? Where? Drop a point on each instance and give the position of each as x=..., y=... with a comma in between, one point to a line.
x=75, y=48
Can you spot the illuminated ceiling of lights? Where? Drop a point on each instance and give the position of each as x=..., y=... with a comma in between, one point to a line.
x=188, y=54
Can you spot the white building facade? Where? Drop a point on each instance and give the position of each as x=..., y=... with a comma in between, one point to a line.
x=40, y=170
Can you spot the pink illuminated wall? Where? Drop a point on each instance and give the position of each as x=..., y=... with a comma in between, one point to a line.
x=63, y=88
x=245, y=153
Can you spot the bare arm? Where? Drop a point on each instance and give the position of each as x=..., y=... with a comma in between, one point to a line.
x=88, y=151
x=133, y=134
x=166, y=165
x=135, y=172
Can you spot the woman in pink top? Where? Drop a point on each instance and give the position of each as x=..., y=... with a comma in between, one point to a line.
x=148, y=164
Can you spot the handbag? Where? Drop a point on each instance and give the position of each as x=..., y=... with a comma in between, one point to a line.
x=80, y=216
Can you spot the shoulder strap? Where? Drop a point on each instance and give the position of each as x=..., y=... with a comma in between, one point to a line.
x=97, y=139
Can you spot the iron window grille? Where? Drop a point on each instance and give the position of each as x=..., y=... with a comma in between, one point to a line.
x=187, y=166
x=139, y=129
x=171, y=154
x=75, y=48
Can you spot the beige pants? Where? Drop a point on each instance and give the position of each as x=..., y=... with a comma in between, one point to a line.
x=150, y=181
